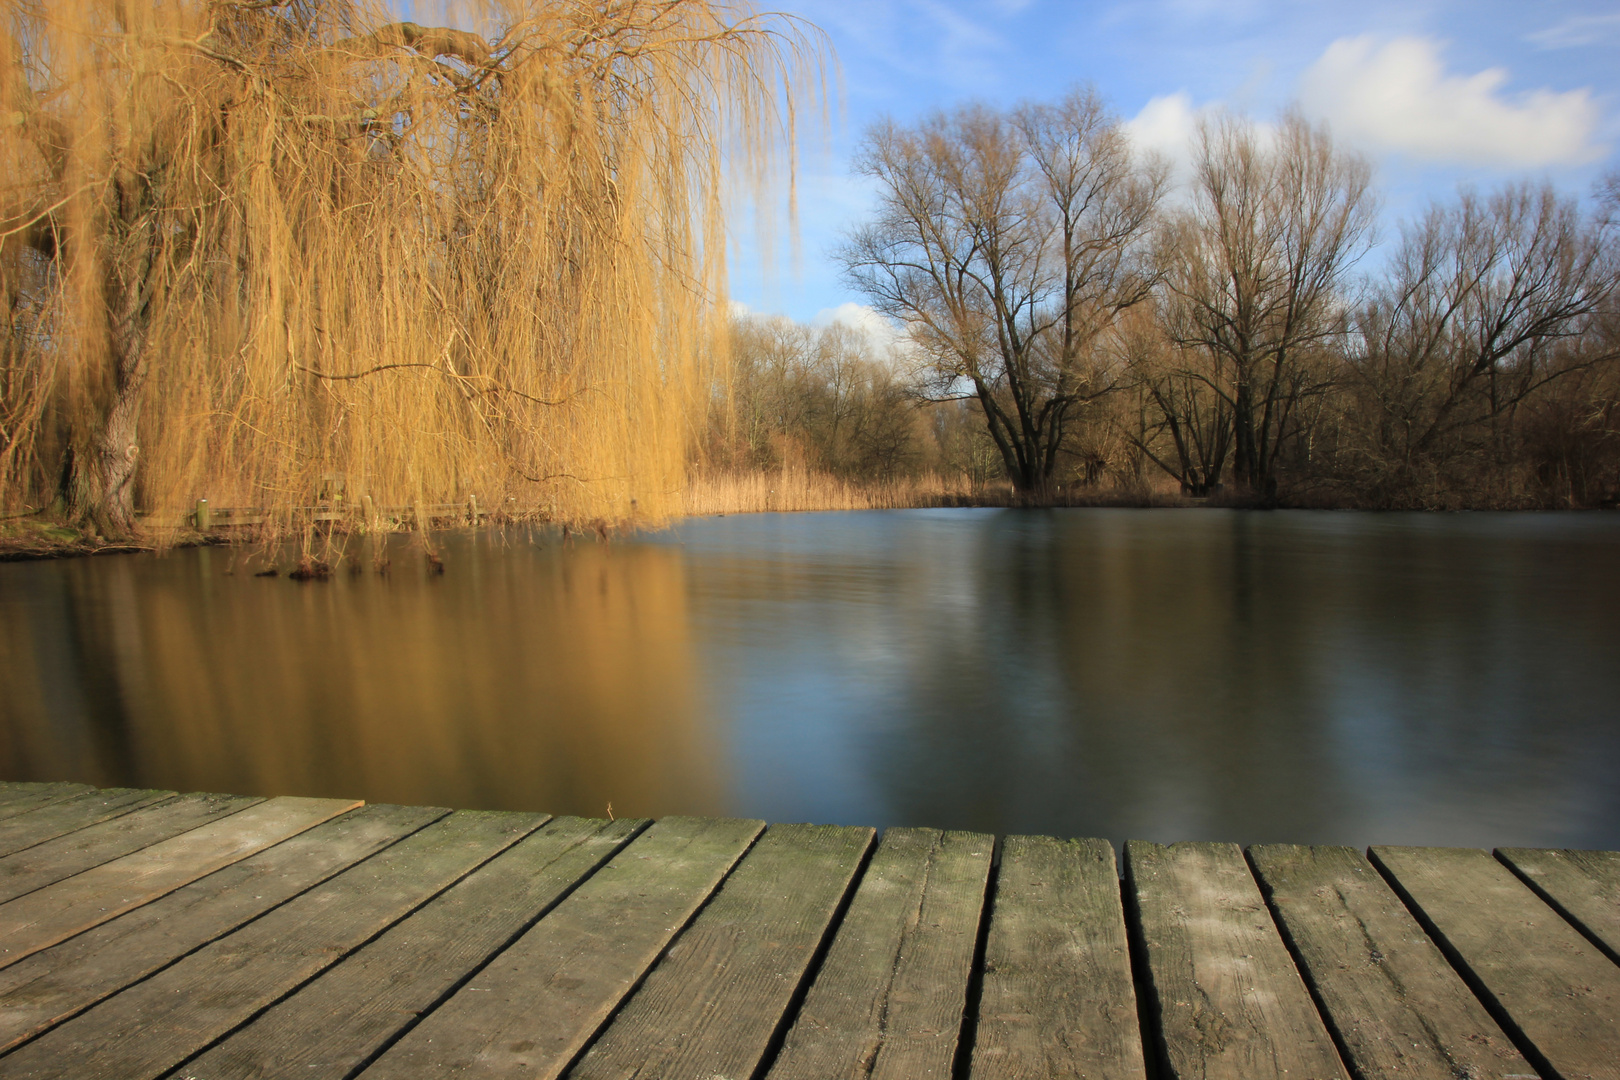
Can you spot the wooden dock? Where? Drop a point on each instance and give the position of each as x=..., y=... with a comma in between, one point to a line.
x=148, y=934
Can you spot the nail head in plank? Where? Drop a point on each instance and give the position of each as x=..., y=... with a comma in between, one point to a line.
x=50, y=862
x=1538, y=974
x=715, y=1000
x=21, y=798
x=64, y=980
x=335, y=1024
x=1228, y=999
x=1057, y=997
x=72, y=814
x=1398, y=1007
x=536, y=1005
x=144, y=1031
x=890, y=996
x=1584, y=886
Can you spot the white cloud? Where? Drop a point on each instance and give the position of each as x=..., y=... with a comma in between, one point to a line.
x=1578, y=30
x=1398, y=96
x=1166, y=126
x=878, y=328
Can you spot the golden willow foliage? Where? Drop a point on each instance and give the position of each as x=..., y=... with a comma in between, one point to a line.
x=249, y=244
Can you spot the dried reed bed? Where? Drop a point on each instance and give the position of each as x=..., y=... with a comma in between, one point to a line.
x=249, y=244
x=793, y=489
x=802, y=489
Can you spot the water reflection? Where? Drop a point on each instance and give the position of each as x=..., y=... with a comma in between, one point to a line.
x=1307, y=677
x=529, y=676
x=1304, y=677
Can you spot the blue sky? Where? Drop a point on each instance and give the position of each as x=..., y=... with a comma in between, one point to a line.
x=1435, y=92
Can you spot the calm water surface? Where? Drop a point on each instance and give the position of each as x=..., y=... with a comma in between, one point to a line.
x=1308, y=677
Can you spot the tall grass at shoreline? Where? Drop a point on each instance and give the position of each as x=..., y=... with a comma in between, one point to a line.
x=755, y=492
x=787, y=490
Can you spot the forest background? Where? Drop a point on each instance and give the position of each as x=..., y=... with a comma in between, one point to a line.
x=1079, y=336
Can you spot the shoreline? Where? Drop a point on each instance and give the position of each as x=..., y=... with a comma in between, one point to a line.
x=36, y=537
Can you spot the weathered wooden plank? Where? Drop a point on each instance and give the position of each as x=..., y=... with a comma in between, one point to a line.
x=342, y=1019
x=1583, y=886
x=714, y=1002
x=144, y=1031
x=1057, y=998
x=1228, y=999
x=57, y=912
x=63, y=816
x=21, y=798
x=1538, y=975
x=64, y=980
x=534, y=1007
x=50, y=862
x=891, y=993
x=11, y=789
x=1398, y=1007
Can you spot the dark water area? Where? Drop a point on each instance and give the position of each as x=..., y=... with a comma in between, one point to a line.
x=1174, y=674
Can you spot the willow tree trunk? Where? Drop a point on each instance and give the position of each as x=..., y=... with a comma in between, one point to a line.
x=104, y=495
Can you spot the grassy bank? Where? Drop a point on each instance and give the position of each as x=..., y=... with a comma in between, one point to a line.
x=41, y=537
x=45, y=535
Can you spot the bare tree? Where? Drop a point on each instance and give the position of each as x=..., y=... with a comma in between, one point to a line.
x=1488, y=301
x=1008, y=243
x=1181, y=422
x=823, y=397
x=1253, y=273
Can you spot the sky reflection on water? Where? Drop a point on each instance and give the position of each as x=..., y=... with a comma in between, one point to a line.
x=1309, y=677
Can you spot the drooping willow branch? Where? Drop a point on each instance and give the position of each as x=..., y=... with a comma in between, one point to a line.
x=498, y=388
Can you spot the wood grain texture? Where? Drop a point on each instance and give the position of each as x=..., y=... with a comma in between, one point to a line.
x=1057, y=998
x=338, y=1022
x=147, y=1029
x=890, y=996
x=57, y=912
x=1229, y=1002
x=63, y=816
x=1398, y=1007
x=537, y=1004
x=1583, y=886
x=50, y=862
x=714, y=1002
x=61, y=982
x=17, y=789
x=19, y=798
x=1535, y=972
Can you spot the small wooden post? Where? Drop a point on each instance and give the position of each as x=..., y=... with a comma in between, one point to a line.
x=472, y=510
x=204, y=517
x=368, y=513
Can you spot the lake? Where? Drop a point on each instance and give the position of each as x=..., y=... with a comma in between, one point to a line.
x=1309, y=677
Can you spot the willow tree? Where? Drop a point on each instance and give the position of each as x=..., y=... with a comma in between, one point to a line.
x=251, y=243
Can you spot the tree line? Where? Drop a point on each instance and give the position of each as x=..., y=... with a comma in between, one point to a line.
x=1244, y=337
